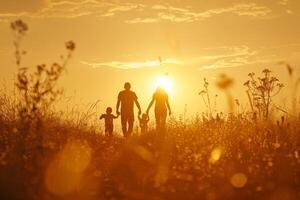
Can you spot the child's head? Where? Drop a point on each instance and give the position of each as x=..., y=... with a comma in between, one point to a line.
x=108, y=110
x=144, y=116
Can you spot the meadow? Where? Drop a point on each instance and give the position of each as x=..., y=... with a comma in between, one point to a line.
x=46, y=155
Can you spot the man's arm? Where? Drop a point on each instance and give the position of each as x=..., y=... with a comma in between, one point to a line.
x=137, y=103
x=118, y=105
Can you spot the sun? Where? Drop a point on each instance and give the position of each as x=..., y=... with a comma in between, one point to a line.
x=164, y=82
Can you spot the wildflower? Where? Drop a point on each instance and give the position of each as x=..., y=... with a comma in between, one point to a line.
x=274, y=79
x=224, y=82
x=19, y=26
x=281, y=85
x=70, y=45
x=205, y=83
x=251, y=74
x=266, y=71
x=247, y=83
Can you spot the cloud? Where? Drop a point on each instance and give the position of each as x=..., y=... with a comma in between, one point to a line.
x=224, y=57
x=215, y=58
x=131, y=65
x=219, y=57
x=20, y=6
x=141, y=20
x=283, y=2
x=74, y=9
x=132, y=13
x=241, y=56
x=175, y=14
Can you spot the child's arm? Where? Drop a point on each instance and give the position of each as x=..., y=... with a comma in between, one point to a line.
x=115, y=117
x=101, y=117
x=139, y=117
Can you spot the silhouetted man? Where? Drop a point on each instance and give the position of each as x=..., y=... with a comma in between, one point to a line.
x=127, y=98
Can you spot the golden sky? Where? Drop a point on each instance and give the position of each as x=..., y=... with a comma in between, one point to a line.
x=121, y=40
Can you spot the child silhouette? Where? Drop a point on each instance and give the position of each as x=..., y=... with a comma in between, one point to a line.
x=108, y=119
x=144, y=122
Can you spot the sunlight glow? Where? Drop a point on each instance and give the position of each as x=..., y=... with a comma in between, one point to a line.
x=165, y=82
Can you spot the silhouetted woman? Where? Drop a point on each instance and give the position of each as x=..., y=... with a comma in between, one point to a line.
x=161, y=99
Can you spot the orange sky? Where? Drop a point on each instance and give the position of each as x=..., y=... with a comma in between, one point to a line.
x=120, y=41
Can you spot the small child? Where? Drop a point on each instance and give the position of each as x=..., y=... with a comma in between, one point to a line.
x=144, y=123
x=109, y=124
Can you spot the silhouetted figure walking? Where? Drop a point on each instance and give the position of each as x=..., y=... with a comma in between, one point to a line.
x=144, y=123
x=109, y=124
x=127, y=99
x=161, y=99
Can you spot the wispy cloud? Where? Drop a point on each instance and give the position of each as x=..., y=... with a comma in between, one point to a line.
x=213, y=58
x=141, y=20
x=131, y=65
x=20, y=6
x=224, y=57
x=135, y=13
x=283, y=2
x=75, y=9
x=123, y=8
x=241, y=56
x=175, y=14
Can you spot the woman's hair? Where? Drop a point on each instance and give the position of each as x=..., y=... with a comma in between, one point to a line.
x=160, y=90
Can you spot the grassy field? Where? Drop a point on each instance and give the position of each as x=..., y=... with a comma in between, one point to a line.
x=233, y=158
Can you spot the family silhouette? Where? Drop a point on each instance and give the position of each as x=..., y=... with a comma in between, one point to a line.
x=126, y=101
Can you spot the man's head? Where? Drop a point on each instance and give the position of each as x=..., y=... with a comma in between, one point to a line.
x=127, y=86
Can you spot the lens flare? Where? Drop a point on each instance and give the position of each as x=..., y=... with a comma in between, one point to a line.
x=238, y=180
x=215, y=155
x=64, y=173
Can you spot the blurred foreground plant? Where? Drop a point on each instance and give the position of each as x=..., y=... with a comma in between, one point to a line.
x=294, y=85
x=37, y=88
x=224, y=83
